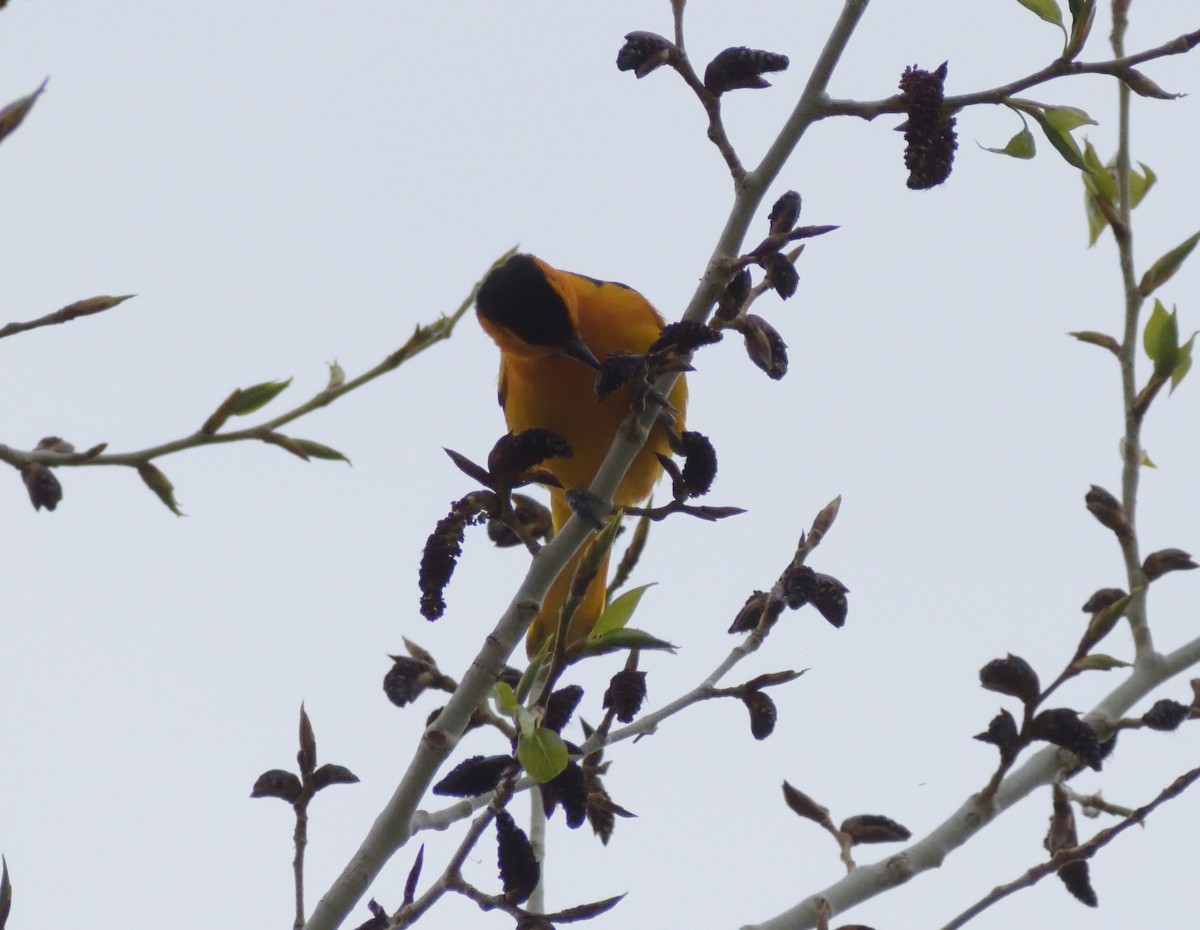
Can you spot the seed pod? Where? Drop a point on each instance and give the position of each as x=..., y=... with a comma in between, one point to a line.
x=700, y=463
x=440, y=556
x=804, y=586
x=618, y=370
x=519, y=868
x=516, y=453
x=568, y=789
x=929, y=136
x=476, y=775
x=1165, y=715
x=625, y=694
x=732, y=299
x=559, y=707
x=684, y=336
x=1063, y=728
x=643, y=52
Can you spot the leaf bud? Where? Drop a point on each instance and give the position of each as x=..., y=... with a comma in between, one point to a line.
x=873, y=828
x=784, y=213
x=1108, y=510
x=276, y=783
x=781, y=273
x=643, y=52
x=43, y=487
x=1001, y=733
x=1011, y=675
x=751, y=613
x=1159, y=563
x=763, y=714
x=733, y=298
x=765, y=346
x=741, y=67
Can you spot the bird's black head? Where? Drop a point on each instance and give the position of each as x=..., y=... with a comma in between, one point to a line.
x=519, y=297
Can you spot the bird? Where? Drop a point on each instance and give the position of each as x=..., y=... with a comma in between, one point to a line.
x=553, y=329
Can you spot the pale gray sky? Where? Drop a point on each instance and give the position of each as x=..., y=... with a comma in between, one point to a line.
x=283, y=184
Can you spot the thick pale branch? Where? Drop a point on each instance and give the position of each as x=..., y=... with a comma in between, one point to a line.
x=1039, y=770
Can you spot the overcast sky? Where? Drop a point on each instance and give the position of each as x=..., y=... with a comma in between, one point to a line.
x=285, y=184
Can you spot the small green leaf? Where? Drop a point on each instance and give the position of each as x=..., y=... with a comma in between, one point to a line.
x=542, y=754
x=1096, y=220
x=1019, y=146
x=1140, y=184
x=1162, y=270
x=1183, y=364
x=1064, y=119
x=617, y=614
x=1047, y=10
x=1099, y=662
x=1103, y=622
x=1097, y=178
x=1161, y=340
x=505, y=697
x=318, y=451
x=337, y=376
x=1083, y=12
x=1063, y=142
x=257, y=396
x=624, y=639
x=157, y=482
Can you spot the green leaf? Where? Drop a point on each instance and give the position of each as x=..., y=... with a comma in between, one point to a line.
x=1019, y=146
x=623, y=640
x=542, y=754
x=1097, y=178
x=1183, y=364
x=1162, y=270
x=318, y=451
x=505, y=697
x=1066, y=146
x=1083, y=12
x=1140, y=184
x=1047, y=10
x=1096, y=220
x=618, y=613
x=257, y=396
x=1161, y=340
x=1064, y=119
x=157, y=482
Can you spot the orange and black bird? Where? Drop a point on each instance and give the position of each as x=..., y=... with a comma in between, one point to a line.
x=553, y=329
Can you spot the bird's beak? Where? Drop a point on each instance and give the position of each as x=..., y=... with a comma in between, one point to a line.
x=577, y=349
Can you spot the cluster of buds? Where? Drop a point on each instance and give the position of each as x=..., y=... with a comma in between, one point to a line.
x=735, y=68
x=776, y=256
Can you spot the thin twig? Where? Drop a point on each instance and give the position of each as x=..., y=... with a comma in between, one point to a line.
x=1082, y=851
x=1117, y=67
